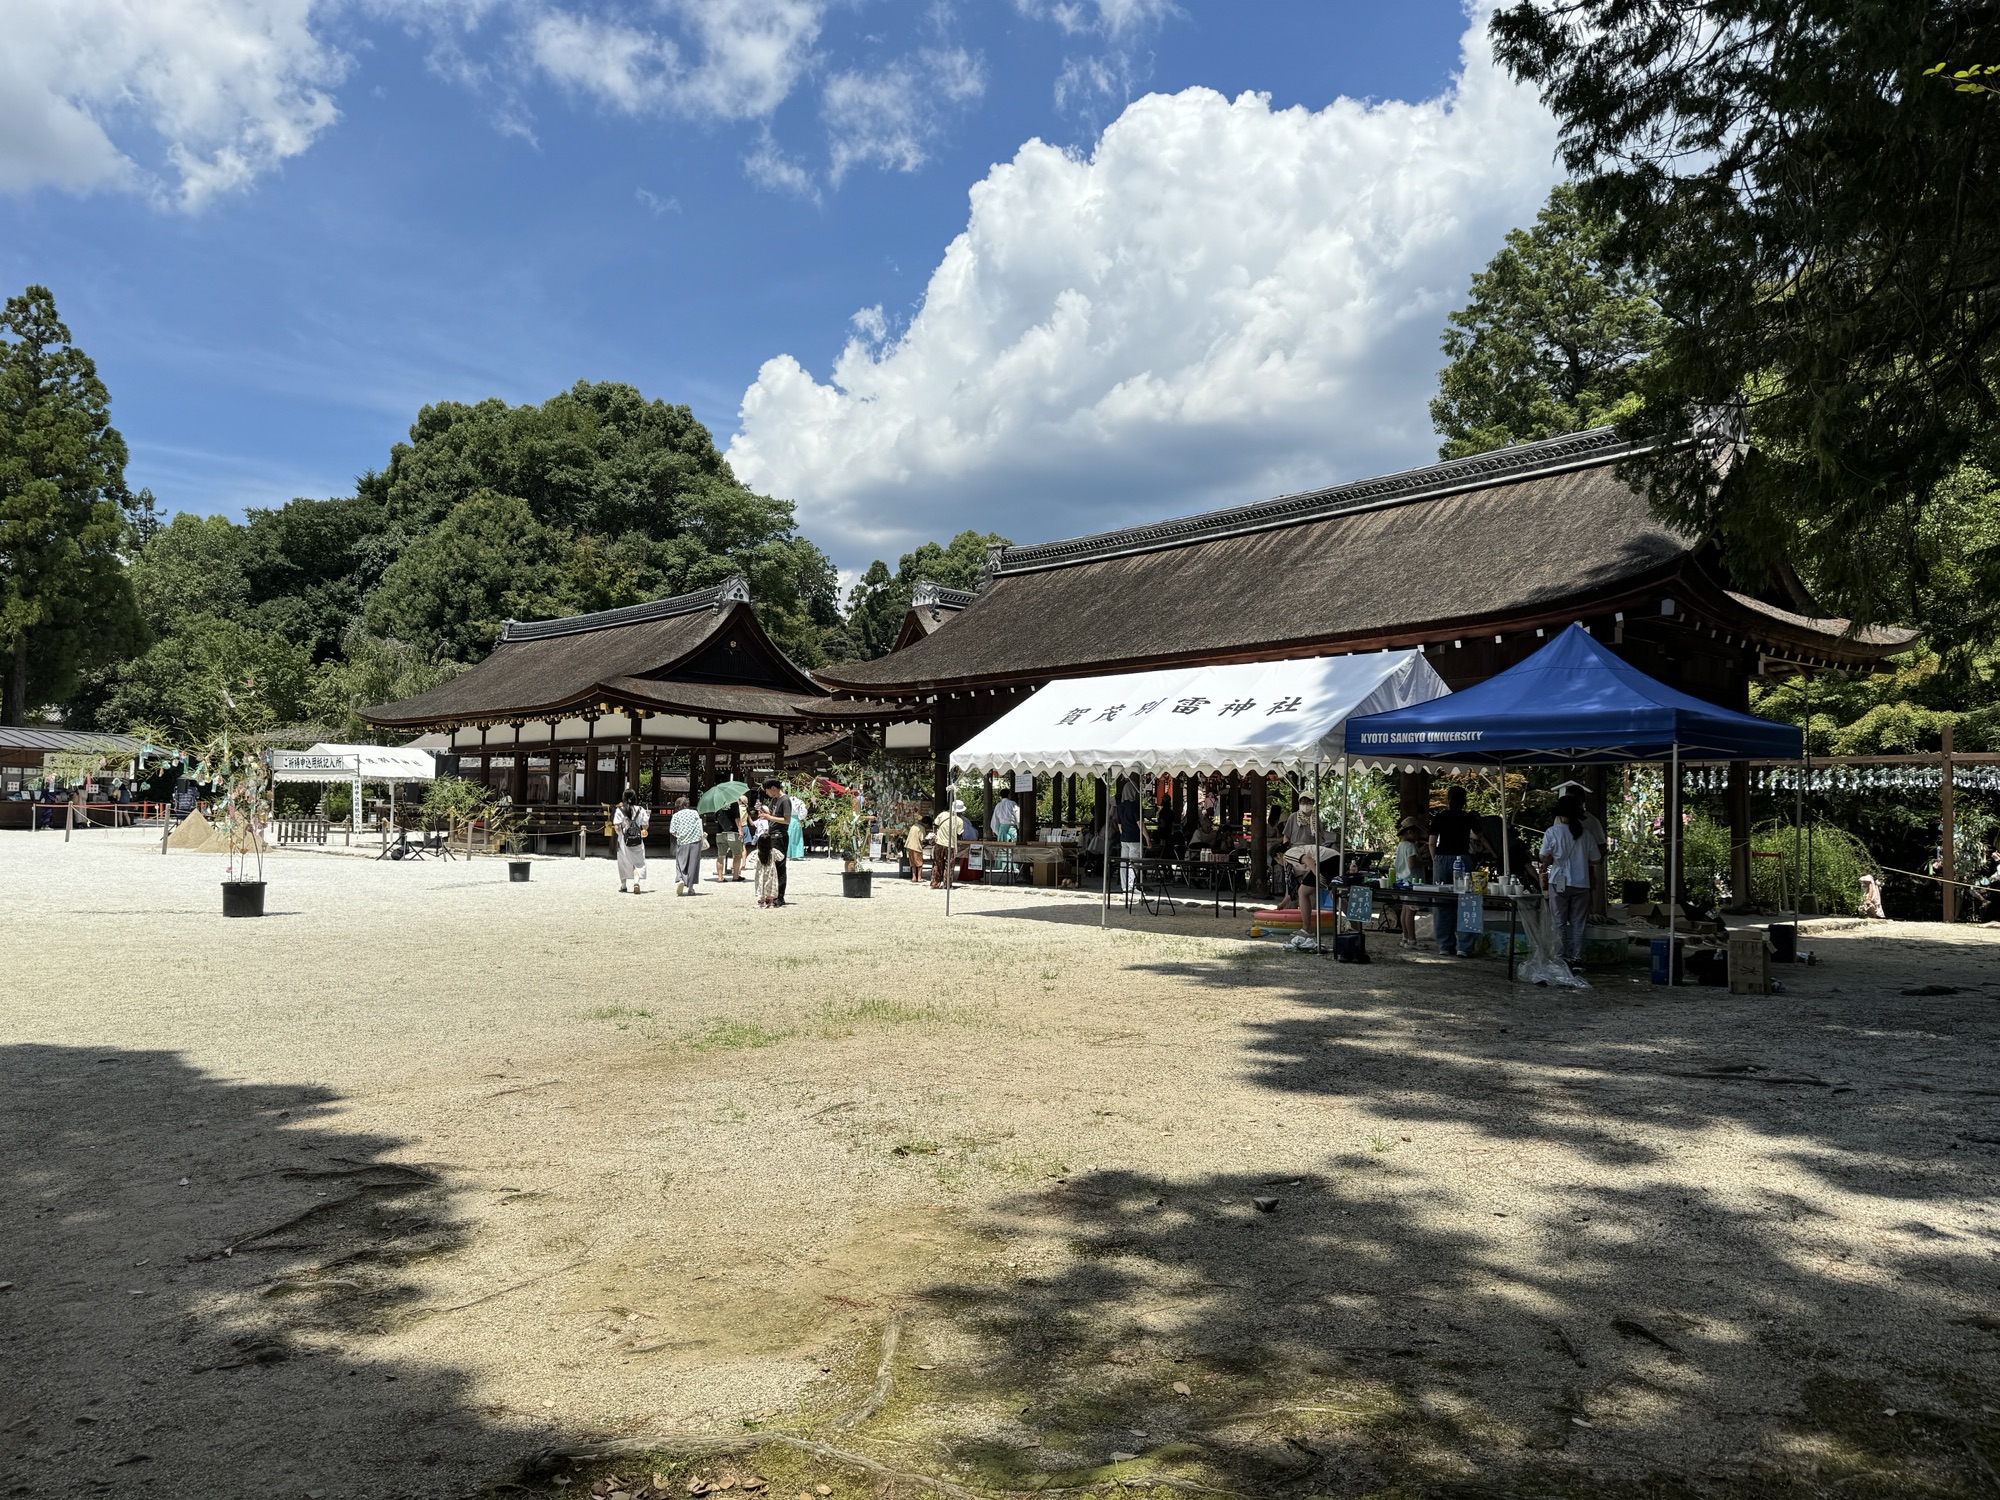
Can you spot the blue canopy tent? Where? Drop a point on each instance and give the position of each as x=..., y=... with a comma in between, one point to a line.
x=1572, y=702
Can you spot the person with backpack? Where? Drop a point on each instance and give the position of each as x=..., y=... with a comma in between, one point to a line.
x=628, y=829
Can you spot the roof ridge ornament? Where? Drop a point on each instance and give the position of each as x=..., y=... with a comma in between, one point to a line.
x=925, y=594
x=732, y=590
x=1577, y=450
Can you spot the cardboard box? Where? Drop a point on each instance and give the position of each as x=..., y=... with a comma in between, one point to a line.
x=1749, y=964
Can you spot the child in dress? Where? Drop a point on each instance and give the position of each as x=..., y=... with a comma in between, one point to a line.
x=768, y=855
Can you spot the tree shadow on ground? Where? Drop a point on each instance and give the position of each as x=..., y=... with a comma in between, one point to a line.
x=188, y=1257
x=1652, y=1242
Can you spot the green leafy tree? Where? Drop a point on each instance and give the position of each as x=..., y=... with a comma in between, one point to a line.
x=489, y=560
x=192, y=566
x=877, y=603
x=310, y=564
x=1821, y=225
x=211, y=674
x=1551, y=340
x=639, y=488
x=65, y=603
x=370, y=669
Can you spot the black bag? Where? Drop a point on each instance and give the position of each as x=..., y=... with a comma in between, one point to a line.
x=634, y=834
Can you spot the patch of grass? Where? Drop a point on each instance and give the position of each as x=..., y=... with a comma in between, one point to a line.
x=721, y=1033
x=835, y=1021
x=617, y=1013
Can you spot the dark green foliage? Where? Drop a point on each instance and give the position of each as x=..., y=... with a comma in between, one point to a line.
x=210, y=671
x=876, y=605
x=65, y=604
x=1821, y=223
x=1551, y=340
x=487, y=560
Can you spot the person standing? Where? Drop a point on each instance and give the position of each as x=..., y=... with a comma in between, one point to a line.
x=728, y=838
x=769, y=863
x=685, y=829
x=1006, y=826
x=1403, y=875
x=913, y=846
x=787, y=821
x=628, y=827
x=1568, y=851
x=1132, y=837
x=1452, y=832
x=944, y=843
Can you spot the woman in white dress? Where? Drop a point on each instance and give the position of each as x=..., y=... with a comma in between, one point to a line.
x=628, y=827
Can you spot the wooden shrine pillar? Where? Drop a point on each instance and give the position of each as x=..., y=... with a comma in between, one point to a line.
x=1260, y=842
x=632, y=752
x=986, y=812
x=1031, y=813
x=1103, y=817
x=1738, y=798
x=518, y=782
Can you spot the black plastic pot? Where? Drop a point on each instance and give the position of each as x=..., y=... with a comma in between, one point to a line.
x=1784, y=942
x=1635, y=892
x=243, y=898
x=517, y=871
x=857, y=882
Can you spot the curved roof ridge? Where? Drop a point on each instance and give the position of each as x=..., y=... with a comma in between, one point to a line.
x=1577, y=450
x=734, y=590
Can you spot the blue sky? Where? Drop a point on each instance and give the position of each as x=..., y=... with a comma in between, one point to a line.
x=282, y=226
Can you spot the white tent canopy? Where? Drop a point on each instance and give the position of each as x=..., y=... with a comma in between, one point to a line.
x=1262, y=716
x=326, y=762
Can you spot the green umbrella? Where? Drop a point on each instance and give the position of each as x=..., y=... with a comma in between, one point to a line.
x=720, y=796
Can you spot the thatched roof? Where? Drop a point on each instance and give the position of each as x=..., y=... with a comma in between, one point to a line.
x=1527, y=537
x=701, y=654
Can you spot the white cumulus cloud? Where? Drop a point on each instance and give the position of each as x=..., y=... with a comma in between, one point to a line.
x=734, y=59
x=185, y=99
x=1223, y=301
x=888, y=116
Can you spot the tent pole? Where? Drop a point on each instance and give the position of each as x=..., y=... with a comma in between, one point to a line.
x=1319, y=875
x=1673, y=856
x=1506, y=864
x=1104, y=838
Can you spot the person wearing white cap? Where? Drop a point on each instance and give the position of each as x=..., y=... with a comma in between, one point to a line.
x=944, y=842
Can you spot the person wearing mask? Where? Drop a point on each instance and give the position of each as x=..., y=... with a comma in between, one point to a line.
x=787, y=819
x=684, y=828
x=1452, y=832
x=1130, y=828
x=944, y=843
x=628, y=828
x=1568, y=851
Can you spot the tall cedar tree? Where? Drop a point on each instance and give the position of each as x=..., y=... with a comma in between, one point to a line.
x=1821, y=222
x=879, y=600
x=65, y=604
x=1551, y=340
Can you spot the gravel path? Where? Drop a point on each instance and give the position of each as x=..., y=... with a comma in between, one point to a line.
x=426, y=1170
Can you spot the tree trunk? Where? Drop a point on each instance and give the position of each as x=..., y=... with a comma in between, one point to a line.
x=17, y=682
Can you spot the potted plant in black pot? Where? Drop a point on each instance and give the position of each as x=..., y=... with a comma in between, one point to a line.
x=245, y=811
x=840, y=814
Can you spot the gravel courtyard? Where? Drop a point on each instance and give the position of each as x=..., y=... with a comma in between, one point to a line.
x=429, y=1184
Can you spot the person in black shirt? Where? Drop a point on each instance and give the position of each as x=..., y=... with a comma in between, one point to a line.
x=1452, y=833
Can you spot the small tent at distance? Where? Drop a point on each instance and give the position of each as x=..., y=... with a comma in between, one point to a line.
x=356, y=765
